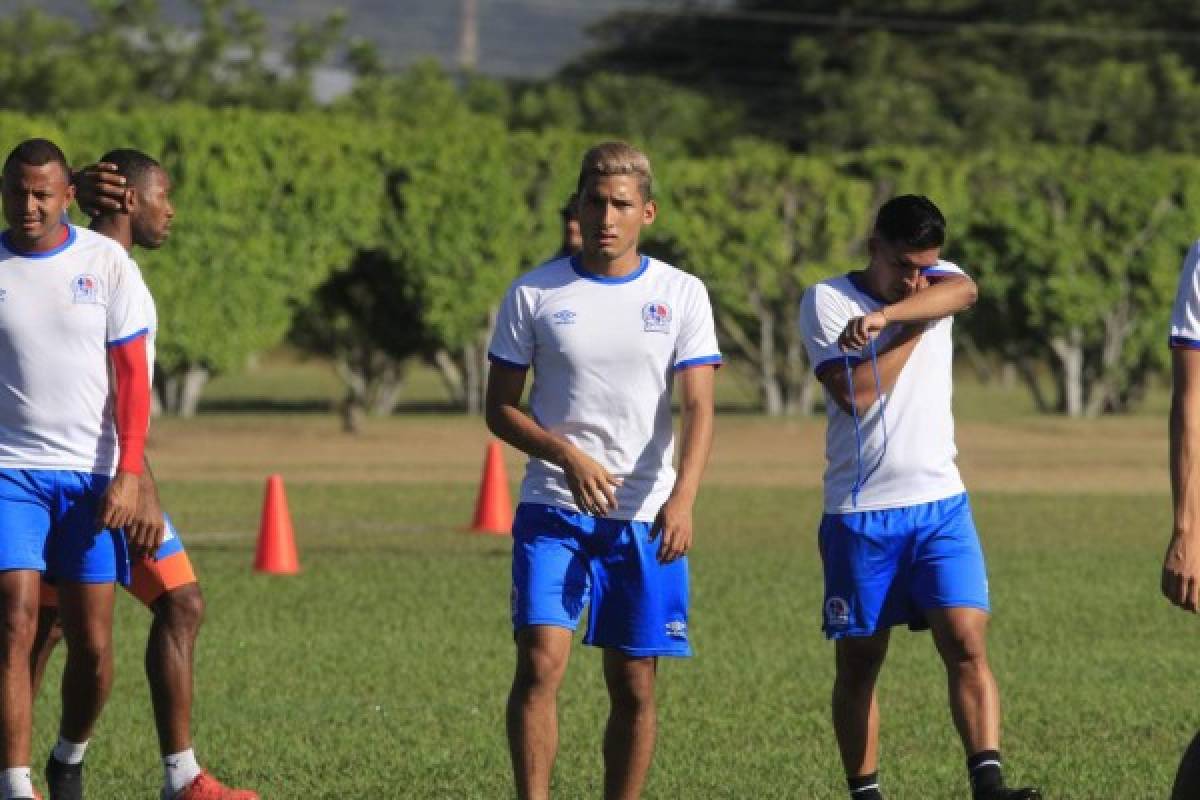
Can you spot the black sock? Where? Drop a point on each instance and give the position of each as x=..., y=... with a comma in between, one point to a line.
x=864, y=787
x=985, y=773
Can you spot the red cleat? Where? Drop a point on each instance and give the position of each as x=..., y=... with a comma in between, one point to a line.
x=206, y=787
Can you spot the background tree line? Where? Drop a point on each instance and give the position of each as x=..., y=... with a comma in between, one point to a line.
x=384, y=227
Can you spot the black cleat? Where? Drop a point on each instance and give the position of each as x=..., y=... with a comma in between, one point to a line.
x=65, y=781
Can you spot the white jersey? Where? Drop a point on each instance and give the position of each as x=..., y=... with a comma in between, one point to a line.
x=1185, y=316
x=150, y=312
x=906, y=456
x=59, y=312
x=604, y=352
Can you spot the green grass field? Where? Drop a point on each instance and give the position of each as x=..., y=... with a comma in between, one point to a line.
x=381, y=671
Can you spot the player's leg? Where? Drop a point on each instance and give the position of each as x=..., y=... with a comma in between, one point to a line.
x=864, y=558
x=858, y=661
x=1187, y=779
x=550, y=588
x=632, y=723
x=18, y=617
x=86, y=611
x=167, y=586
x=25, y=520
x=49, y=634
x=542, y=654
x=639, y=613
x=949, y=585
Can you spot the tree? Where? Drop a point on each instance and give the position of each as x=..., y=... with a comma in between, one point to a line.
x=759, y=227
x=1076, y=254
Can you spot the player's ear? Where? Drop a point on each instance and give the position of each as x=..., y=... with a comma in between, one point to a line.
x=129, y=200
x=649, y=212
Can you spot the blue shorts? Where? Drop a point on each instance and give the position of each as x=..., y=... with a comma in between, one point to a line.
x=564, y=560
x=48, y=524
x=888, y=567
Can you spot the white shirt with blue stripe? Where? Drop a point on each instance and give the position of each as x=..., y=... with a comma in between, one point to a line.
x=59, y=312
x=1185, y=316
x=902, y=452
x=604, y=352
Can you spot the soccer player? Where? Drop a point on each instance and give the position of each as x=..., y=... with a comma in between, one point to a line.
x=72, y=436
x=897, y=539
x=572, y=239
x=162, y=578
x=603, y=520
x=1181, y=566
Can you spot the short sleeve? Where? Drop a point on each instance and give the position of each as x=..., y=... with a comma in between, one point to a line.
x=697, y=342
x=943, y=269
x=513, y=340
x=823, y=316
x=1185, y=315
x=126, y=296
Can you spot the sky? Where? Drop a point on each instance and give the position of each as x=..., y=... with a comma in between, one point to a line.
x=517, y=38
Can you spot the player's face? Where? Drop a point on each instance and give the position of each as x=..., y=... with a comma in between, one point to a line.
x=612, y=212
x=35, y=200
x=152, y=218
x=898, y=271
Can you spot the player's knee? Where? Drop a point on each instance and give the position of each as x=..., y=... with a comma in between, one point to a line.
x=18, y=625
x=182, y=609
x=964, y=648
x=540, y=668
x=632, y=689
x=860, y=660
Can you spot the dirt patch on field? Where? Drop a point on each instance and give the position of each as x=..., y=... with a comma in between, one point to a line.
x=1035, y=455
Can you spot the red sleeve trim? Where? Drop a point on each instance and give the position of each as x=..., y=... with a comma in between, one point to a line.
x=132, y=373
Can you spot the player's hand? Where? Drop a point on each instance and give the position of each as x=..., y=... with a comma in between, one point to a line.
x=861, y=330
x=120, y=502
x=674, y=524
x=99, y=188
x=145, y=534
x=1181, y=572
x=591, y=484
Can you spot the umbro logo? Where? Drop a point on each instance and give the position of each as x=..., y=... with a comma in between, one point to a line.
x=564, y=317
x=677, y=629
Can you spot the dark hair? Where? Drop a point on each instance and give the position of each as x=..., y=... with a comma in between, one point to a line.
x=37, y=153
x=133, y=165
x=911, y=221
x=569, y=212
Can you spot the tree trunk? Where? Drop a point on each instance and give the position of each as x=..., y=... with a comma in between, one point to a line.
x=1027, y=370
x=452, y=377
x=1105, y=394
x=474, y=383
x=180, y=391
x=1069, y=351
x=772, y=393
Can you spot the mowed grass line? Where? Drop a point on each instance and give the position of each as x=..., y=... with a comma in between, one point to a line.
x=382, y=670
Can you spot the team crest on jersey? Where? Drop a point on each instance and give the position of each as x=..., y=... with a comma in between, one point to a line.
x=677, y=629
x=564, y=317
x=837, y=612
x=85, y=289
x=656, y=317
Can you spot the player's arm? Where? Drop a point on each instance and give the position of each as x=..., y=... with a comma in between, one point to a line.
x=1181, y=567
x=132, y=412
x=857, y=389
x=938, y=297
x=99, y=188
x=145, y=533
x=674, y=520
x=590, y=483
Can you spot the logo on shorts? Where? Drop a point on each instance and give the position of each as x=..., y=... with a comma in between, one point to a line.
x=85, y=289
x=564, y=317
x=837, y=612
x=677, y=629
x=656, y=317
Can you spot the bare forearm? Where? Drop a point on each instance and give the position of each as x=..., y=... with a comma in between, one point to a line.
x=889, y=362
x=945, y=298
x=518, y=429
x=696, y=445
x=1185, y=446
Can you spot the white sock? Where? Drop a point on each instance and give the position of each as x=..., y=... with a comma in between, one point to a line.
x=17, y=783
x=66, y=752
x=180, y=769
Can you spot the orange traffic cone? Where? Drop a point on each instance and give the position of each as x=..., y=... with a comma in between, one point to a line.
x=276, y=553
x=493, y=509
